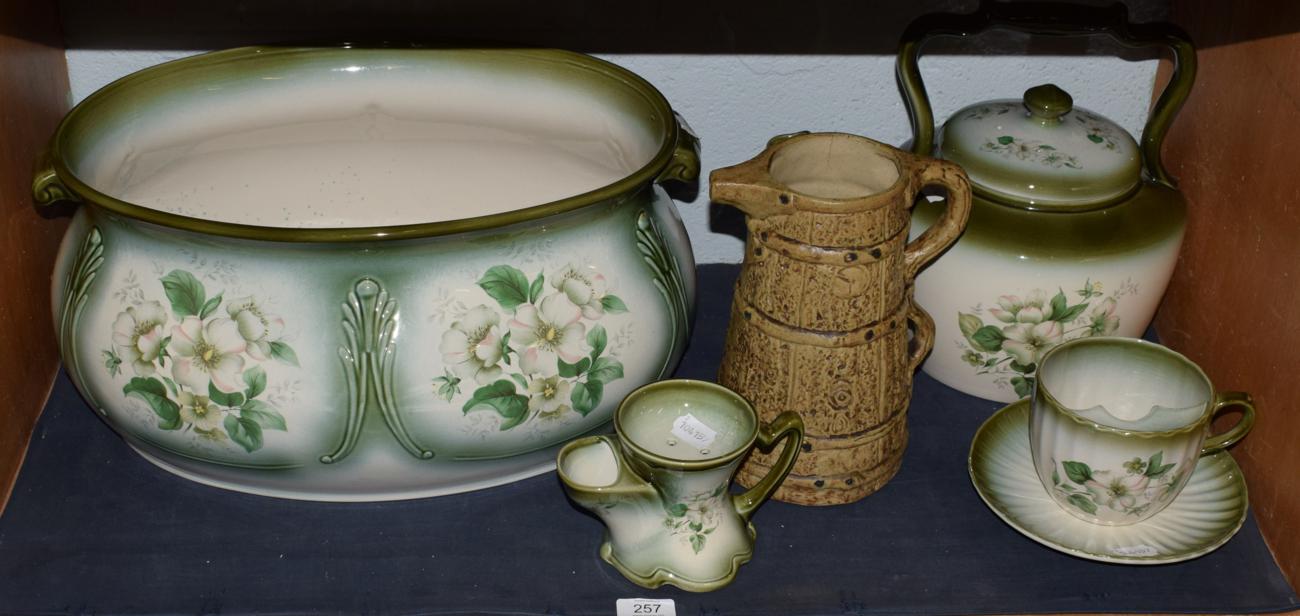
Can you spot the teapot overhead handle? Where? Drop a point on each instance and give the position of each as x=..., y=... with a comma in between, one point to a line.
x=1052, y=19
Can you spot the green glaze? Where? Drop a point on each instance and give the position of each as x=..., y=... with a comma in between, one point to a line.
x=671, y=519
x=1041, y=153
x=668, y=280
x=1141, y=354
x=367, y=312
x=1118, y=423
x=1151, y=214
x=369, y=325
x=1057, y=20
x=1150, y=217
x=181, y=81
x=1231, y=399
x=1209, y=511
x=1066, y=204
x=1048, y=103
x=85, y=267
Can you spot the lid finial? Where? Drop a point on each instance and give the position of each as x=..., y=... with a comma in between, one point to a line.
x=1048, y=102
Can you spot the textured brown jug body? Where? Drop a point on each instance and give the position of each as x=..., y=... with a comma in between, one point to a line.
x=822, y=310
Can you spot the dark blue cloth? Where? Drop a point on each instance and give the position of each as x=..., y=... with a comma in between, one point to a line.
x=92, y=527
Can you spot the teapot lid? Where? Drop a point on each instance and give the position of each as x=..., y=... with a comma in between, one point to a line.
x=1042, y=153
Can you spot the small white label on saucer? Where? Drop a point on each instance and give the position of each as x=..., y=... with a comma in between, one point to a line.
x=1135, y=550
x=693, y=431
x=646, y=607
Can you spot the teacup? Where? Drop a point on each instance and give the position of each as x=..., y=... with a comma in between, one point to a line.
x=662, y=487
x=1119, y=423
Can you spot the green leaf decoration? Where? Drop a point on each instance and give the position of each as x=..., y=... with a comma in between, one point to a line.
x=505, y=348
x=505, y=284
x=718, y=490
x=448, y=390
x=519, y=380
x=1084, y=503
x=992, y=361
x=969, y=324
x=678, y=510
x=152, y=392
x=1078, y=472
x=697, y=543
x=1155, y=468
x=1071, y=313
x=283, y=353
x=1095, y=138
x=255, y=378
x=586, y=396
x=535, y=291
x=988, y=339
x=1046, y=147
x=613, y=305
x=1021, y=368
x=1058, y=306
x=1006, y=139
x=185, y=292
x=1056, y=477
x=171, y=385
x=263, y=415
x=500, y=397
x=112, y=361
x=1024, y=386
x=696, y=526
x=597, y=339
x=210, y=306
x=244, y=431
x=224, y=399
x=605, y=370
x=568, y=370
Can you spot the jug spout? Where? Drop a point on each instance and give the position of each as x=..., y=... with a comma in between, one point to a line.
x=750, y=188
x=596, y=476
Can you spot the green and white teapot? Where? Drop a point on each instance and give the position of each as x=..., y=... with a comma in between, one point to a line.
x=1075, y=226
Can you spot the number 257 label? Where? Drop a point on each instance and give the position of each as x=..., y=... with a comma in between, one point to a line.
x=646, y=607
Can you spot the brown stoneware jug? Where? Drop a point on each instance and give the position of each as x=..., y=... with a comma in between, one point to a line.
x=822, y=311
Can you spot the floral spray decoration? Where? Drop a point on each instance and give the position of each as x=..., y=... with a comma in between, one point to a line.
x=536, y=354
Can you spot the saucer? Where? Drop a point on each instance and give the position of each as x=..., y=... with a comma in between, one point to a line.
x=1206, y=514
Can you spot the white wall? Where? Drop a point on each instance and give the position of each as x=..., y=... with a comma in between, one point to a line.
x=735, y=103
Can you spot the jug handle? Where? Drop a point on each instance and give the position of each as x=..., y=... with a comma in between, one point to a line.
x=788, y=426
x=1052, y=19
x=936, y=239
x=924, y=336
x=684, y=166
x=1229, y=399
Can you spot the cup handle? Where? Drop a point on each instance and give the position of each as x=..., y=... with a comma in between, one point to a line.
x=1223, y=400
x=924, y=337
x=788, y=426
x=926, y=248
